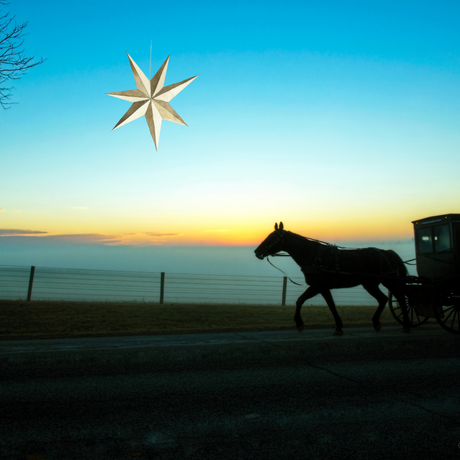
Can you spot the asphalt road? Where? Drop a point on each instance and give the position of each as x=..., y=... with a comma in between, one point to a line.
x=217, y=396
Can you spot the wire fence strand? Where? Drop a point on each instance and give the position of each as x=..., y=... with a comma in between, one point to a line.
x=125, y=286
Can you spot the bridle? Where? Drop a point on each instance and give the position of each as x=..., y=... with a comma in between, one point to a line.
x=280, y=238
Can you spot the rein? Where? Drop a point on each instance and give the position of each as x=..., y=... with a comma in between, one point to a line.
x=407, y=262
x=282, y=255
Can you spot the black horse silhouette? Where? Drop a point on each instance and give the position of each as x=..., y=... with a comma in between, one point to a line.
x=327, y=267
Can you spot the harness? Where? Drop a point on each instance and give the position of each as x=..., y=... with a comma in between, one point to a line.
x=334, y=251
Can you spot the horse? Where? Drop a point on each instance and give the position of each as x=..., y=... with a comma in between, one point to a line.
x=327, y=267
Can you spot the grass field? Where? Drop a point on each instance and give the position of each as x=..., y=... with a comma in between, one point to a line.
x=52, y=319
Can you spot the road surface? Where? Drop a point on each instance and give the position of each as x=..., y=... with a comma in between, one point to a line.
x=249, y=395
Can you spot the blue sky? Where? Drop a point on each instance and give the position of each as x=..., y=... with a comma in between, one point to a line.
x=339, y=118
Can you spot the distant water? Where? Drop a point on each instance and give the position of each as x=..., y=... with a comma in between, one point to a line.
x=223, y=260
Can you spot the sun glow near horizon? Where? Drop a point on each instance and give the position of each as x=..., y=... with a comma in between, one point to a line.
x=227, y=225
x=331, y=231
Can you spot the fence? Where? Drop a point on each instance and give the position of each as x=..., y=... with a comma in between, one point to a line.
x=41, y=283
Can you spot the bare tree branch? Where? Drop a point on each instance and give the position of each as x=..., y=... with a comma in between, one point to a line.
x=13, y=63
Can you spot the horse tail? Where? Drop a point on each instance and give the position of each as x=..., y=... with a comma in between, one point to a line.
x=395, y=260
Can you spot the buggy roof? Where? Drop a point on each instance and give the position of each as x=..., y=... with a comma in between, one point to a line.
x=437, y=219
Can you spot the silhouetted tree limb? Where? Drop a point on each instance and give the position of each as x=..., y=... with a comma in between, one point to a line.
x=13, y=63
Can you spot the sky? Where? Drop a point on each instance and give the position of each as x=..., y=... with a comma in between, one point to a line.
x=341, y=119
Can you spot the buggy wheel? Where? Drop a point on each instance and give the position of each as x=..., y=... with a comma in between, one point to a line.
x=446, y=304
x=396, y=311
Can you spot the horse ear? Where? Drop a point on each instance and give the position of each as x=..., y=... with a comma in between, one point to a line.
x=281, y=226
x=276, y=226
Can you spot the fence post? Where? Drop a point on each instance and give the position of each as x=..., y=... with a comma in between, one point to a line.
x=283, y=300
x=31, y=282
x=162, y=288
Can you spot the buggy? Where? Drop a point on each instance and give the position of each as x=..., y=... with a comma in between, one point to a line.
x=435, y=292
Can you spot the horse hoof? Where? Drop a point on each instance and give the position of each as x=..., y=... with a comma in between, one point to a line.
x=338, y=332
x=300, y=328
x=377, y=328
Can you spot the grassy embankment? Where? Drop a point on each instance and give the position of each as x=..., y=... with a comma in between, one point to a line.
x=52, y=319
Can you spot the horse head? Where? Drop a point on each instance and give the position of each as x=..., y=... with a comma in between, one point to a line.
x=272, y=244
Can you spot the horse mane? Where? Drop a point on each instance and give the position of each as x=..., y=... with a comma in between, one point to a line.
x=304, y=240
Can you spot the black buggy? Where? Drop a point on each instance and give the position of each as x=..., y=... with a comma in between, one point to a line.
x=435, y=292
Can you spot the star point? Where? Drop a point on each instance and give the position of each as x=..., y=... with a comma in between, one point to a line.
x=151, y=99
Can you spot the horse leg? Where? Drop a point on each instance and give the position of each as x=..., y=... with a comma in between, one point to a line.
x=399, y=292
x=401, y=298
x=326, y=293
x=308, y=294
x=374, y=291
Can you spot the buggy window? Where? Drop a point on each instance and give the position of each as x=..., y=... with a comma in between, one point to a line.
x=424, y=242
x=441, y=235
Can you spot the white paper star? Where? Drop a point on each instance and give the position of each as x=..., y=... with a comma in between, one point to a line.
x=151, y=99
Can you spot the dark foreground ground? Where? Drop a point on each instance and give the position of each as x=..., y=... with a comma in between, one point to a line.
x=234, y=396
x=44, y=319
